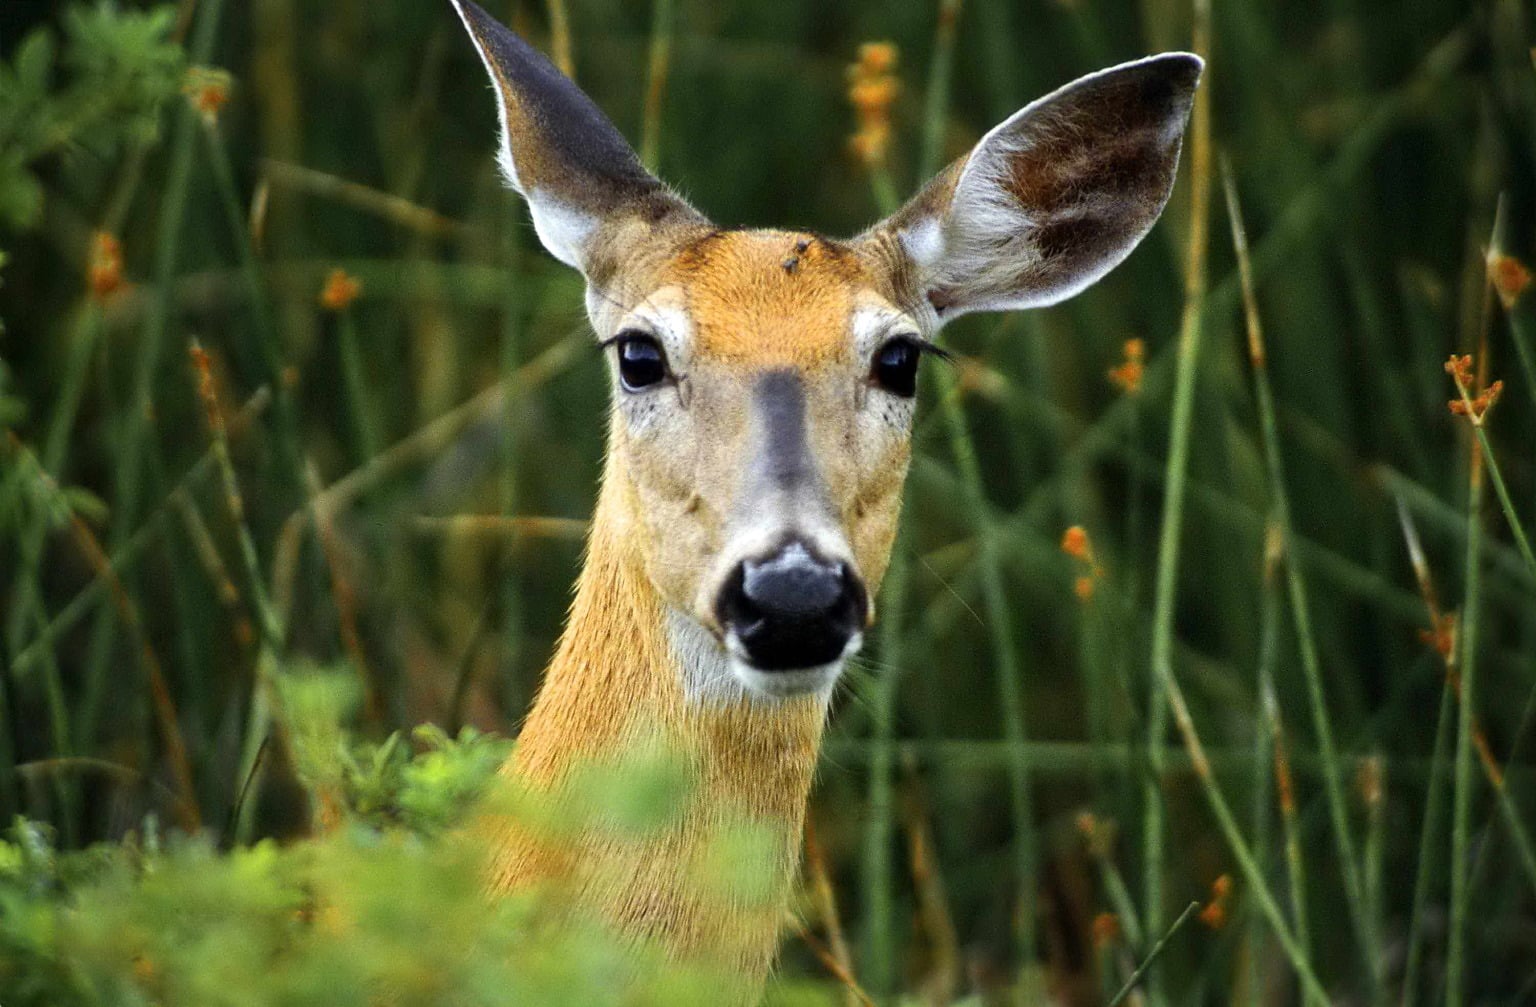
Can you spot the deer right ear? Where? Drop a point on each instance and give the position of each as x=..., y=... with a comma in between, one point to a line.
x=586, y=189
x=1054, y=198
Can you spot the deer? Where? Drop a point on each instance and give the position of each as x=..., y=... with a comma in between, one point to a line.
x=763, y=388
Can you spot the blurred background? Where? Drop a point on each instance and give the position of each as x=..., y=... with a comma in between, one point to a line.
x=284, y=377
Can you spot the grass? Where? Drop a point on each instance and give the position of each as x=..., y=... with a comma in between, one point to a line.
x=398, y=486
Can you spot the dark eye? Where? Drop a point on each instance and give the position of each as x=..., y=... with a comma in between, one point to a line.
x=642, y=362
x=895, y=367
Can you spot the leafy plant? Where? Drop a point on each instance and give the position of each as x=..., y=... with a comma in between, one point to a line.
x=364, y=911
x=100, y=89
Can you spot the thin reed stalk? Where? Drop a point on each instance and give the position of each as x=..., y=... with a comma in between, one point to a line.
x=1152, y=957
x=1099, y=838
x=1005, y=652
x=1425, y=863
x=658, y=69
x=267, y=621
x=826, y=907
x=360, y=406
x=387, y=206
x=1010, y=672
x=345, y=598
x=86, y=330
x=1525, y=347
x=122, y=560
x=934, y=913
x=1290, y=819
x=1477, y=418
x=26, y=589
x=136, y=437
x=1263, y=778
x=1462, y=786
x=936, y=99
x=28, y=608
x=1510, y=277
x=162, y=703
x=1239, y=848
x=1191, y=329
x=268, y=342
x=1371, y=786
x=560, y=38
x=1333, y=783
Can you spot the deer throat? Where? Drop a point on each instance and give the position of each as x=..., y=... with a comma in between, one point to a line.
x=618, y=681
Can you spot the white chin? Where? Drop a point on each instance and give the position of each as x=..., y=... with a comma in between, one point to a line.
x=786, y=684
x=791, y=683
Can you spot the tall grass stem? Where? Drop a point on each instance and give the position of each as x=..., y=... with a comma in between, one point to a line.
x=1191, y=328
x=1333, y=779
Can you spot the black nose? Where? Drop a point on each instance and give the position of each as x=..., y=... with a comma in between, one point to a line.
x=792, y=609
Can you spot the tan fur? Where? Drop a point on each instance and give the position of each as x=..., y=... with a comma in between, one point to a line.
x=752, y=307
x=660, y=517
x=613, y=681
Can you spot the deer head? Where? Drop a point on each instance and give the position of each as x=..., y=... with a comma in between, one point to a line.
x=763, y=381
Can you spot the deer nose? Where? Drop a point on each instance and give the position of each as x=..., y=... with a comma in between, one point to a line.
x=792, y=609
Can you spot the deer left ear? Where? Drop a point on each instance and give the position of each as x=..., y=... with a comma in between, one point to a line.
x=586, y=190
x=1056, y=196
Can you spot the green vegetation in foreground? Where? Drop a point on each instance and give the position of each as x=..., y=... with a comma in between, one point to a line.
x=1214, y=589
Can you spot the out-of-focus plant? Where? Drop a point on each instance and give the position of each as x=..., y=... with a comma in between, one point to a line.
x=389, y=904
x=424, y=789
x=29, y=497
x=99, y=89
x=342, y=920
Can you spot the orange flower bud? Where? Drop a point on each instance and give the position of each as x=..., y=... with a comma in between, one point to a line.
x=1214, y=914
x=1509, y=277
x=1074, y=542
x=104, y=275
x=207, y=89
x=1106, y=930
x=878, y=57
x=340, y=291
x=1127, y=376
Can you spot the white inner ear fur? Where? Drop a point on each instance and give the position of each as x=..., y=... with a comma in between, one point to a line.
x=561, y=228
x=983, y=239
x=924, y=242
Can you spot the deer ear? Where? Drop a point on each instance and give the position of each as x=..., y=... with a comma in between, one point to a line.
x=1056, y=196
x=585, y=187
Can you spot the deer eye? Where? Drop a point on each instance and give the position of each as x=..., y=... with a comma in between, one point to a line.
x=894, y=368
x=642, y=362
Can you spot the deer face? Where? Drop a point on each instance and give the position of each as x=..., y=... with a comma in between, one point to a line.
x=763, y=390
x=763, y=381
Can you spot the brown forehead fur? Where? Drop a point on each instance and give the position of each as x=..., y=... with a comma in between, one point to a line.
x=773, y=298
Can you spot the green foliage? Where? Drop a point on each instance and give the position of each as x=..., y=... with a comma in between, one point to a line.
x=395, y=910
x=388, y=903
x=424, y=788
x=102, y=88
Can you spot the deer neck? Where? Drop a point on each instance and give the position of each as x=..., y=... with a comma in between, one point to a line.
x=628, y=669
